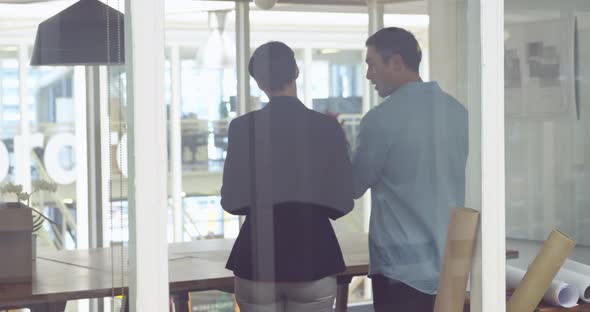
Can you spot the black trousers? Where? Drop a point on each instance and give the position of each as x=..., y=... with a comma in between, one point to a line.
x=392, y=296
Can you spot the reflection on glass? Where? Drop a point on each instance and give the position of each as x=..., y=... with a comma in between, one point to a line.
x=338, y=85
x=45, y=145
x=547, y=137
x=53, y=116
x=167, y=78
x=207, y=105
x=9, y=97
x=204, y=220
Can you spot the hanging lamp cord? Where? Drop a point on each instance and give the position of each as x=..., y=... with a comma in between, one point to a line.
x=121, y=159
x=121, y=244
x=108, y=101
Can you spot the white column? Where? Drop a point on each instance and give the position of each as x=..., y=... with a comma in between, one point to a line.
x=443, y=43
x=376, y=9
x=243, y=56
x=368, y=98
x=176, y=144
x=91, y=91
x=455, y=62
x=489, y=285
x=22, y=143
x=307, y=84
x=104, y=237
x=148, y=245
x=80, y=132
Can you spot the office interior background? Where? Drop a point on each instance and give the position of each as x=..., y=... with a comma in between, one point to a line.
x=44, y=117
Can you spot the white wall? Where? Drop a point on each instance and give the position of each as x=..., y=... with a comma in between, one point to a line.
x=548, y=155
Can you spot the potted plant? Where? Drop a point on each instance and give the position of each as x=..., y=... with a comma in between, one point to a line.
x=23, y=199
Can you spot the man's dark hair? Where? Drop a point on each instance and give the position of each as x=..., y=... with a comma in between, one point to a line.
x=393, y=40
x=273, y=65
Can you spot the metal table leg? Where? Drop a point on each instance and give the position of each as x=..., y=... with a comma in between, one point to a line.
x=180, y=300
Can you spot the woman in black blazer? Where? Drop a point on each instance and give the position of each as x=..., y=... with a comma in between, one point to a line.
x=287, y=170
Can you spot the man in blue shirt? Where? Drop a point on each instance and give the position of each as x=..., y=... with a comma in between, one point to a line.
x=411, y=153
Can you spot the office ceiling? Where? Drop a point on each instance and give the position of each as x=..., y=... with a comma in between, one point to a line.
x=23, y=1
x=18, y=11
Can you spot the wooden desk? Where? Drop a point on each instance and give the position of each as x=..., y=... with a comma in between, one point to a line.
x=193, y=266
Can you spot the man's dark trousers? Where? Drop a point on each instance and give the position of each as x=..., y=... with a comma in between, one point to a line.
x=392, y=296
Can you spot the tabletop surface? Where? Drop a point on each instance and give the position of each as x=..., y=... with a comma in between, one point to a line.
x=193, y=266
x=196, y=265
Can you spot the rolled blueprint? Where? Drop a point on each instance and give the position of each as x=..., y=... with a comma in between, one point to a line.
x=541, y=272
x=559, y=292
x=457, y=260
x=577, y=274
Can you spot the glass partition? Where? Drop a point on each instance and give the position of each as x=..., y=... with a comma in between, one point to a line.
x=547, y=127
x=45, y=144
x=200, y=86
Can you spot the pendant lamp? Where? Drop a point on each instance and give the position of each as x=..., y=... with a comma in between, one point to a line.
x=265, y=4
x=78, y=36
x=219, y=51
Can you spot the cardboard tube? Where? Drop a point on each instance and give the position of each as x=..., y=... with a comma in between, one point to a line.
x=457, y=260
x=541, y=272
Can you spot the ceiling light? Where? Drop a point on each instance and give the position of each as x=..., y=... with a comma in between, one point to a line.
x=219, y=51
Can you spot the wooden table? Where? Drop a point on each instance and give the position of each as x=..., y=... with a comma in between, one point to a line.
x=193, y=266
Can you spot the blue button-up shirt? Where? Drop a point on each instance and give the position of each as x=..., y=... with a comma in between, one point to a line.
x=412, y=151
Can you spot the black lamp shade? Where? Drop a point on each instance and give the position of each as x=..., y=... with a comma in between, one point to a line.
x=78, y=36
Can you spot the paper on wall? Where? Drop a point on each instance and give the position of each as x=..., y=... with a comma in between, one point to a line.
x=559, y=293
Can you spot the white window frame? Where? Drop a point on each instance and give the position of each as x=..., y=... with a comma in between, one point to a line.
x=489, y=278
x=148, y=164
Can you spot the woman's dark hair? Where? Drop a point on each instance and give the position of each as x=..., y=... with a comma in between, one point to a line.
x=273, y=65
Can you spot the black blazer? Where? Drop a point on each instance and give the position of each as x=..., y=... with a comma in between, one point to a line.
x=287, y=170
